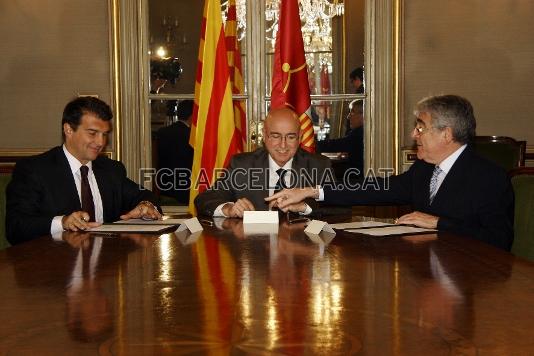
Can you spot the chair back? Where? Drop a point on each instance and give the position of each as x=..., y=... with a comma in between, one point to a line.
x=4, y=180
x=505, y=151
x=523, y=184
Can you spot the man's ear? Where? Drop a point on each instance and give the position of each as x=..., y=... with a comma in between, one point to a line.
x=448, y=135
x=67, y=130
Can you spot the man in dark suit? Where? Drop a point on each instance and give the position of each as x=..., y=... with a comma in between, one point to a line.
x=449, y=186
x=175, y=155
x=255, y=175
x=352, y=142
x=72, y=187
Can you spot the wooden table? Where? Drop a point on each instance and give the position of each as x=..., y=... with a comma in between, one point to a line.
x=223, y=292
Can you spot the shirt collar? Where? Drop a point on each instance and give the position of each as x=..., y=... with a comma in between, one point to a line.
x=74, y=163
x=448, y=162
x=273, y=166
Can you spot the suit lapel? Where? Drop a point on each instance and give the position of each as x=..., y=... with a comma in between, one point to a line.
x=454, y=178
x=64, y=181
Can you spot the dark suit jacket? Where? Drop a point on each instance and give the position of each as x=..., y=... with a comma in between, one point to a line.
x=248, y=177
x=351, y=143
x=475, y=199
x=43, y=187
x=174, y=152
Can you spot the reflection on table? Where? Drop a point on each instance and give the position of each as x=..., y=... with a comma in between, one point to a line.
x=227, y=292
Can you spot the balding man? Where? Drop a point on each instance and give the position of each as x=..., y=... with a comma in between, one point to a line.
x=450, y=187
x=253, y=176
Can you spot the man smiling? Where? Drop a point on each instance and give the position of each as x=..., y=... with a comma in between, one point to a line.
x=254, y=175
x=449, y=187
x=71, y=187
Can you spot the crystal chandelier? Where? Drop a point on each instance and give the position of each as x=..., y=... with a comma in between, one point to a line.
x=316, y=16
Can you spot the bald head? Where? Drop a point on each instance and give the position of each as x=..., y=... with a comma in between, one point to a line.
x=281, y=132
x=282, y=115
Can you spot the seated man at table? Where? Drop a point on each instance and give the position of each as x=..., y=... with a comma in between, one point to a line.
x=449, y=186
x=255, y=175
x=71, y=187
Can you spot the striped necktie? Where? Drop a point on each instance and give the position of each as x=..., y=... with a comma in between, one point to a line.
x=434, y=183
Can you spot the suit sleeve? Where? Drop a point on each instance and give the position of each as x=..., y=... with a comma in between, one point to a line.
x=372, y=190
x=132, y=193
x=220, y=192
x=494, y=218
x=341, y=144
x=24, y=218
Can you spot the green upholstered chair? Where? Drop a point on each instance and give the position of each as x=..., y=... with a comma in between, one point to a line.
x=4, y=180
x=523, y=183
x=505, y=151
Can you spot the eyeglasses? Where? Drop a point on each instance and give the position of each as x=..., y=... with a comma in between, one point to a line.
x=289, y=138
x=421, y=130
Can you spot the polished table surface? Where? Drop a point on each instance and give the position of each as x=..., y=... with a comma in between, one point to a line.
x=225, y=292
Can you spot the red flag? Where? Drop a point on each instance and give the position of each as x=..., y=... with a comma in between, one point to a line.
x=290, y=85
x=213, y=133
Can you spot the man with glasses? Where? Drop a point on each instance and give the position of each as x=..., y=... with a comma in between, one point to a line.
x=449, y=187
x=253, y=176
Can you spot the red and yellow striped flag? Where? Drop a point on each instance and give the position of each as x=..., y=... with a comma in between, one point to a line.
x=213, y=134
x=290, y=85
x=234, y=64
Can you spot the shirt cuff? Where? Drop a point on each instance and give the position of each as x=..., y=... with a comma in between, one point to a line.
x=218, y=213
x=321, y=193
x=307, y=211
x=56, y=227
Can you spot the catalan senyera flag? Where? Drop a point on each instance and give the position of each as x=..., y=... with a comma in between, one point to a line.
x=290, y=85
x=236, y=72
x=213, y=134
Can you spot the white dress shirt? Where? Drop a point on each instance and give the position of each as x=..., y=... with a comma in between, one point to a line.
x=56, y=226
x=273, y=179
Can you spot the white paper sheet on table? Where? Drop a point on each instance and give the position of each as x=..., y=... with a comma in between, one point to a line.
x=359, y=224
x=391, y=230
x=165, y=221
x=107, y=228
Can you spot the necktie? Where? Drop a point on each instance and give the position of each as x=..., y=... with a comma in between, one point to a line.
x=434, y=183
x=88, y=204
x=280, y=184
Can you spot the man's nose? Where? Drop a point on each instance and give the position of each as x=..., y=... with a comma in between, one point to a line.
x=100, y=140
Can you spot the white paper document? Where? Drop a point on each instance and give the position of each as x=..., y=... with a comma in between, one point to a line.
x=107, y=228
x=165, y=221
x=359, y=224
x=260, y=217
x=391, y=230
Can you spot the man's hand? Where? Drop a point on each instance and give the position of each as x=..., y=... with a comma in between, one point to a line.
x=78, y=221
x=237, y=209
x=419, y=219
x=143, y=210
x=294, y=208
x=288, y=197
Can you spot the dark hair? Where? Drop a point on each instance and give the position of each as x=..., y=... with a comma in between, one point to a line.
x=184, y=109
x=356, y=73
x=451, y=111
x=74, y=110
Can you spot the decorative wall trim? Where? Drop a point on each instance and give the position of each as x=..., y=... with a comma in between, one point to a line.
x=382, y=48
x=8, y=158
x=409, y=155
